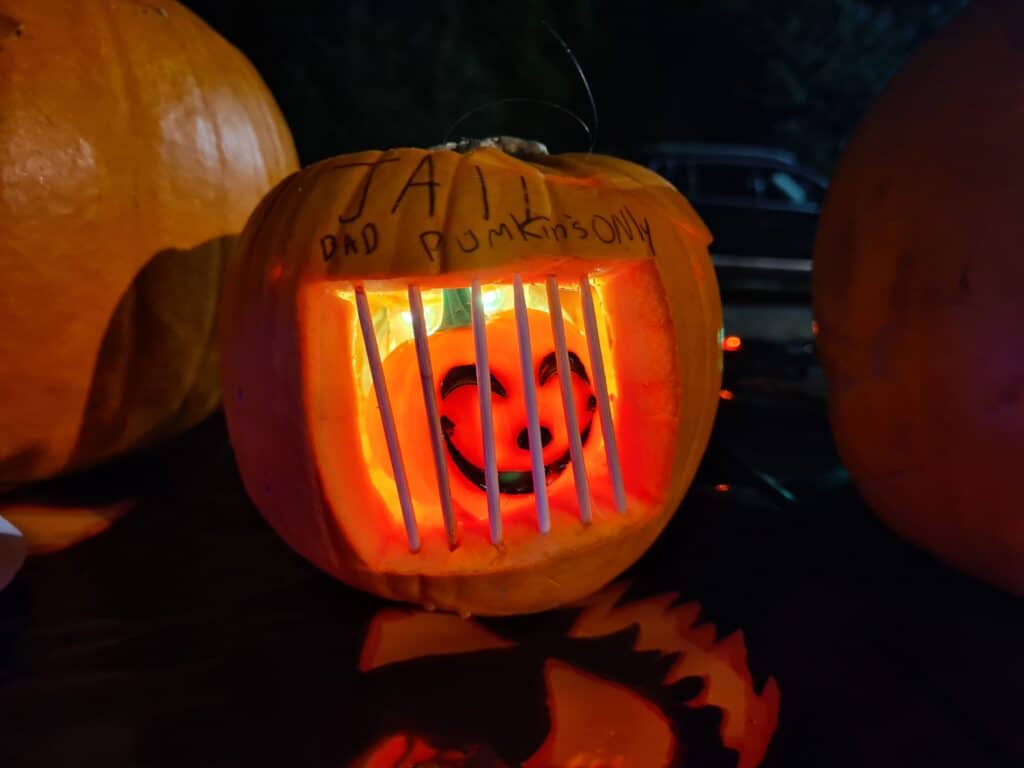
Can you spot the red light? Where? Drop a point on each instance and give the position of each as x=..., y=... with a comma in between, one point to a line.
x=722, y=487
x=732, y=343
x=726, y=394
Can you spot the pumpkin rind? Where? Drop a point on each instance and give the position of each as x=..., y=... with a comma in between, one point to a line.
x=918, y=284
x=134, y=143
x=277, y=339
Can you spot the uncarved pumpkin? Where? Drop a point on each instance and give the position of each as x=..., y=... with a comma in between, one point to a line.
x=301, y=408
x=919, y=297
x=134, y=142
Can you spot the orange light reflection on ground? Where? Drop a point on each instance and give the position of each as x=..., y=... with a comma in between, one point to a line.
x=596, y=721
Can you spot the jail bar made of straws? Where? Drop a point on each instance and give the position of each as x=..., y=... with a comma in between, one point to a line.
x=491, y=476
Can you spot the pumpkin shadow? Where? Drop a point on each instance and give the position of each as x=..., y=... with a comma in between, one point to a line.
x=156, y=371
x=155, y=376
x=19, y=462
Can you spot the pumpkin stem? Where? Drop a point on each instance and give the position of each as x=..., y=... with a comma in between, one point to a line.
x=510, y=145
x=456, y=308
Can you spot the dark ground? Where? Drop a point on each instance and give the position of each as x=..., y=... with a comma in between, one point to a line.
x=189, y=634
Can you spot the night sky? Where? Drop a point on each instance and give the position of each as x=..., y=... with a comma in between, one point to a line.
x=362, y=74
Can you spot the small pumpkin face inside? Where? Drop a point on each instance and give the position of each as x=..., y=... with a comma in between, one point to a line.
x=502, y=453
x=460, y=411
x=458, y=398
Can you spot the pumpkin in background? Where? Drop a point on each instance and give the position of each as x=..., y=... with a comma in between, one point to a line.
x=919, y=297
x=134, y=142
x=320, y=283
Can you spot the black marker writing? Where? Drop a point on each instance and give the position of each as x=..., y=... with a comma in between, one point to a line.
x=474, y=242
x=578, y=229
x=621, y=226
x=526, y=196
x=366, y=184
x=642, y=230
x=370, y=237
x=328, y=245
x=483, y=193
x=499, y=231
x=524, y=226
x=430, y=183
x=432, y=241
x=609, y=231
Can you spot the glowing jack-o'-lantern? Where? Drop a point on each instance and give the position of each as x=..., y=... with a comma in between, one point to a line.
x=478, y=377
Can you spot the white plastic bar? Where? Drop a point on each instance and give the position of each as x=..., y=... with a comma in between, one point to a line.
x=540, y=486
x=572, y=424
x=611, y=447
x=444, y=490
x=483, y=381
x=387, y=417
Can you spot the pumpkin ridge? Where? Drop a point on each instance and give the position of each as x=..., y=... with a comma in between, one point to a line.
x=214, y=119
x=460, y=165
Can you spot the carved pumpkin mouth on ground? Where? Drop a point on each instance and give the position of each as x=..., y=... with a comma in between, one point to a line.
x=632, y=683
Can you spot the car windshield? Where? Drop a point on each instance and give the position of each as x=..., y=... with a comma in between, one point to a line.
x=794, y=191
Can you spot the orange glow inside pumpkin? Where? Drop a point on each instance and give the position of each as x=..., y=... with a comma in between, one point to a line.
x=453, y=357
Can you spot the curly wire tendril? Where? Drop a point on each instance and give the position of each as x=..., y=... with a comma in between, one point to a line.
x=591, y=131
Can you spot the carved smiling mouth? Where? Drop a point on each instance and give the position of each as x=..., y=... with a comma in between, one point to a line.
x=511, y=482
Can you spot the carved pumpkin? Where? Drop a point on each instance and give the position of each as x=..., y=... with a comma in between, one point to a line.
x=134, y=143
x=918, y=285
x=500, y=450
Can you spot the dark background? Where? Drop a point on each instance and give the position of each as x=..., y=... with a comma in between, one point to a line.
x=189, y=634
x=371, y=74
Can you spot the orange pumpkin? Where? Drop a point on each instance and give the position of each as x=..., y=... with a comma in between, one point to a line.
x=918, y=284
x=134, y=143
x=320, y=284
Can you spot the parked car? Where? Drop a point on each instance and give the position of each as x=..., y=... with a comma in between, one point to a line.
x=760, y=203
